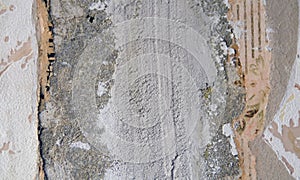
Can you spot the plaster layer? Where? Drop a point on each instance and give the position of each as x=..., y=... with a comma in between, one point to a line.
x=18, y=95
x=283, y=35
x=248, y=18
x=283, y=133
x=257, y=40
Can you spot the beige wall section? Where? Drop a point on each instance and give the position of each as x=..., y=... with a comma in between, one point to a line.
x=18, y=90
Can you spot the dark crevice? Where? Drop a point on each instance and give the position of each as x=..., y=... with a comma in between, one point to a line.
x=90, y=18
x=40, y=129
x=173, y=166
x=43, y=89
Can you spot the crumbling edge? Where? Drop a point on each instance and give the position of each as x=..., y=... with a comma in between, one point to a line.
x=45, y=60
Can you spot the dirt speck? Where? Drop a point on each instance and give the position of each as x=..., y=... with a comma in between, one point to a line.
x=30, y=118
x=11, y=152
x=12, y=7
x=297, y=86
x=6, y=39
x=4, y=147
x=2, y=11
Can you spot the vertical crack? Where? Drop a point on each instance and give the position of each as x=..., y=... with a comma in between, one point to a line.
x=173, y=166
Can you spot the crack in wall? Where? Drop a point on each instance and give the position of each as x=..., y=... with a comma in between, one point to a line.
x=173, y=166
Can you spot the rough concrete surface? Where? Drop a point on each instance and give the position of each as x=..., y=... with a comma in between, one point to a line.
x=136, y=89
x=18, y=90
x=138, y=85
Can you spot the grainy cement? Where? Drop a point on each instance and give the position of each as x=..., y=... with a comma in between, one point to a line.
x=140, y=90
x=136, y=92
x=154, y=115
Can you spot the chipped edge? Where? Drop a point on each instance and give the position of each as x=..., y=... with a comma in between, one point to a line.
x=45, y=60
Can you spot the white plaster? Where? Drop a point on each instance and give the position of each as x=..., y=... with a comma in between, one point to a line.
x=58, y=142
x=101, y=88
x=264, y=2
x=223, y=47
x=213, y=107
x=238, y=28
x=100, y=6
x=231, y=51
x=80, y=145
x=268, y=32
x=227, y=131
x=227, y=3
x=18, y=95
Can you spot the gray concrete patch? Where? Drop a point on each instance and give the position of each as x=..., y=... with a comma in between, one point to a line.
x=145, y=86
